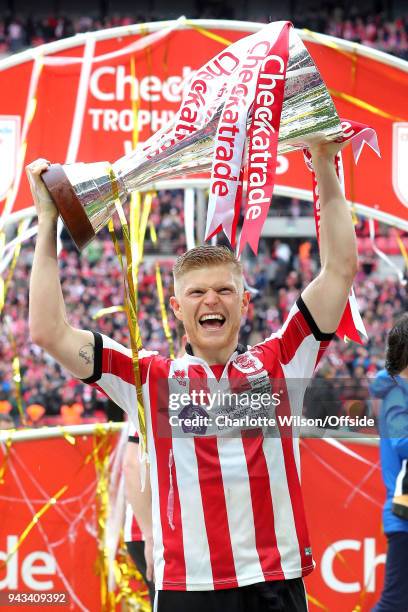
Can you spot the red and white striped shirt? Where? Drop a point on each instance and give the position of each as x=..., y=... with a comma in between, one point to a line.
x=227, y=511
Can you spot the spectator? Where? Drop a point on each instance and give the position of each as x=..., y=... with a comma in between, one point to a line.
x=6, y=422
x=369, y=29
x=391, y=385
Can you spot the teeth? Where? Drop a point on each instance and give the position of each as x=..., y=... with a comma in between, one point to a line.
x=208, y=317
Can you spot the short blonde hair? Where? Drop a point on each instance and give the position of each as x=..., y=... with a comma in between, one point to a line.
x=206, y=256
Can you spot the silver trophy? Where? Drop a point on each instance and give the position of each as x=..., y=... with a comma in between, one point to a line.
x=85, y=193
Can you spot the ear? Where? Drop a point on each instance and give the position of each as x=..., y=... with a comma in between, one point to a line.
x=176, y=308
x=246, y=297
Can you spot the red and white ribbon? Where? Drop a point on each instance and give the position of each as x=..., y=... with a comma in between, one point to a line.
x=202, y=97
x=258, y=84
x=245, y=80
x=359, y=135
x=351, y=325
x=263, y=140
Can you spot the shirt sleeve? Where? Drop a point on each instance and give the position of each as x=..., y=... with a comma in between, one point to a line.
x=114, y=374
x=299, y=345
x=396, y=418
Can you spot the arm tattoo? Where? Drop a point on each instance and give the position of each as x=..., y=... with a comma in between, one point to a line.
x=87, y=353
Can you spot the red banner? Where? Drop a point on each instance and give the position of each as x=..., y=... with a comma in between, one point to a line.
x=343, y=495
x=342, y=490
x=60, y=552
x=80, y=109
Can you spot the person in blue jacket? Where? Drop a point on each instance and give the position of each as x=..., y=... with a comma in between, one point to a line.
x=391, y=385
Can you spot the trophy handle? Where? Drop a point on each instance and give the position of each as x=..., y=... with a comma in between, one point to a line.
x=69, y=206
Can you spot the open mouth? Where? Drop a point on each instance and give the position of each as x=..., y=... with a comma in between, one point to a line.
x=212, y=321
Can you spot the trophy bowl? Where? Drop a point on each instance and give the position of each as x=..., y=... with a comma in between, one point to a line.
x=85, y=193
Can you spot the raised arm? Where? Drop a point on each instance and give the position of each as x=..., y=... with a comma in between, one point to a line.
x=49, y=328
x=326, y=296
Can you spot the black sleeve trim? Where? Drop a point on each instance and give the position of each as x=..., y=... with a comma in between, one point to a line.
x=134, y=439
x=97, y=373
x=311, y=322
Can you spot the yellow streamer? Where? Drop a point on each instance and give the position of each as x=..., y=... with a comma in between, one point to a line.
x=160, y=294
x=165, y=321
x=147, y=205
x=130, y=305
x=67, y=436
x=17, y=380
x=365, y=105
x=2, y=283
x=153, y=234
x=134, y=225
x=402, y=249
x=51, y=502
x=317, y=603
x=8, y=444
x=107, y=311
x=101, y=461
x=209, y=34
x=125, y=571
x=16, y=373
x=353, y=56
x=330, y=43
x=4, y=287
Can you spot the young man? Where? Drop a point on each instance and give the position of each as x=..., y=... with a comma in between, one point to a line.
x=229, y=528
x=391, y=385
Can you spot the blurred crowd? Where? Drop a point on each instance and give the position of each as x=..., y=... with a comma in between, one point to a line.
x=92, y=281
x=372, y=29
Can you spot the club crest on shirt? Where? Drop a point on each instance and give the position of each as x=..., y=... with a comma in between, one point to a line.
x=180, y=376
x=247, y=363
x=194, y=420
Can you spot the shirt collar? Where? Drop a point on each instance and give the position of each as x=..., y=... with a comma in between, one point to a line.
x=240, y=349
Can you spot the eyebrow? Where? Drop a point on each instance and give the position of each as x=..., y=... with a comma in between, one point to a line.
x=216, y=287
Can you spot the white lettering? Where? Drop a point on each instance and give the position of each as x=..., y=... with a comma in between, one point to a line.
x=96, y=114
x=150, y=88
x=123, y=79
x=371, y=560
x=110, y=83
x=126, y=120
x=112, y=120
x=327, y=566
x=94, y=84
x=172, y=89
x=28, y=570
x=10, y=579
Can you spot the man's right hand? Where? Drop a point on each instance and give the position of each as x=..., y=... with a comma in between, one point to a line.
x=43, y=202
